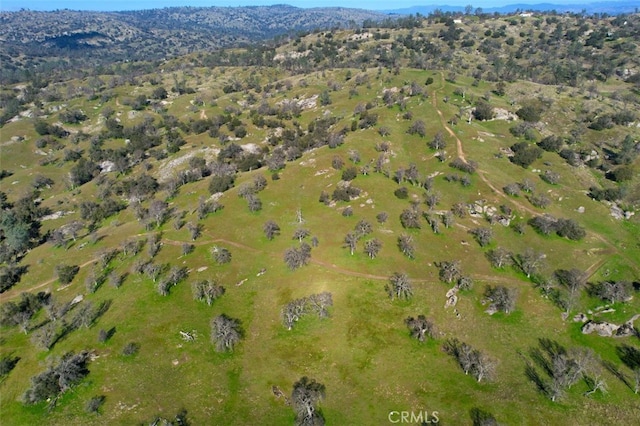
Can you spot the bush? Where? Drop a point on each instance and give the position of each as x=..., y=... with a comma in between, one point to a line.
x=349, y=174
x=551, y=143
x=571, y=229
x=402, y=193
x=130, y=348
x=483, y=111
x=530, y=113
x=621, y=174
x=221, y=183
x=550, y=177
x=72, y=116
x=66, y=273
x=94, y=404
x=602, y=122
x=525, y=154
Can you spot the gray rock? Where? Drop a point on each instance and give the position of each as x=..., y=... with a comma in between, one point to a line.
x=604, y=329
x=580, y=318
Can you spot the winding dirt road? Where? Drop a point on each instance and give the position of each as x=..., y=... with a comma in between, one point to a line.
x=15, y=292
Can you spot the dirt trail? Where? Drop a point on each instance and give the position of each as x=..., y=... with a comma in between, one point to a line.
x=14, y=293
x=462, y=156
x=498, y=191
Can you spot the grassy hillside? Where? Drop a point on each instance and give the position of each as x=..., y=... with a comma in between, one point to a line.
x=362, y=352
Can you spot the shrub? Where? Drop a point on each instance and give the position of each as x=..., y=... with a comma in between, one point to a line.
x=530, y=113
x=221, y=183
x=130, y=348
x=483, y=111
x=402, y=193
x=66, y=273
x=551, y=143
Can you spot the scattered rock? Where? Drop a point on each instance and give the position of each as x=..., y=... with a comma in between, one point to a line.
x=251, y=148
x=625, y=330
x=580, y=318
x=503, y=114
x=604, y=329
x=54, y=216
x=452, y=297
x=581, y=209
x=491, y=310
x=107, y=166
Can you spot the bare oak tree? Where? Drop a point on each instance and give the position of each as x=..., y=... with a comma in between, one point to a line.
x=271, y=229
x=226, y=332
x=304, y=399
x=399, y=286
x=421, y=327
x=207, y=291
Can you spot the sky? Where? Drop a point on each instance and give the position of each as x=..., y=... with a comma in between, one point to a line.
x=13, y=5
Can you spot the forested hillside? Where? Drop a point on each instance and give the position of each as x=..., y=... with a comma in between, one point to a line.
x=64, y=40
x=431, y=215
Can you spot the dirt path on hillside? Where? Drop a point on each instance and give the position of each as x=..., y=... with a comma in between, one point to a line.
x=462, y=156
x=13, y=293
x=483, y=176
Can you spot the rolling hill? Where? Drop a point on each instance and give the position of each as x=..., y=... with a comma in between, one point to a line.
x=433, y=217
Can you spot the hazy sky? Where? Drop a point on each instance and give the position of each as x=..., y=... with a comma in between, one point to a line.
x=151, y=4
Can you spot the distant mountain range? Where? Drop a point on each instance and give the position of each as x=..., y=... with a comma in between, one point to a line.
x=31, y=39
x=611, y=8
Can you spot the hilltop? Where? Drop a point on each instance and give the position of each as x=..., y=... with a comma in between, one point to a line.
x=432, y=214
x=64, y=38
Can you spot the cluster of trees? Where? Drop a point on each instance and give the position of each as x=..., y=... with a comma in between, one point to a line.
x=96, y=212
x=612, y=291
x=501, y=298
x=58, y=378
x=61, y=318
x=297, y=308
x=59, y=325
x=563, y=368
x=568, y=228
x=472, y=361
x=20, y=223
x=450, y=271
x=421, y=327
x=399, y=286
x=207, y=291
x=362, y=228
x=20, y=313
x=524, y=154
x=297, y=257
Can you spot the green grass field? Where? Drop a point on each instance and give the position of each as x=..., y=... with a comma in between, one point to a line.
x=363, y=352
